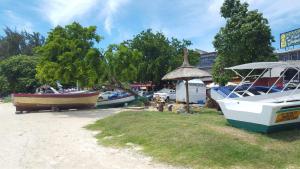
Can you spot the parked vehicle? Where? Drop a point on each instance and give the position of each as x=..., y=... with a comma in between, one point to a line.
x=146, y=94
x=166, y=94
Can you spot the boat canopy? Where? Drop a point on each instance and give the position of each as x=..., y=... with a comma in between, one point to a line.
x=266, y=65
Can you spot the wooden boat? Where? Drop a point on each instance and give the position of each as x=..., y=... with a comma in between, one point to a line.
x=267, y=112
x=54, y=101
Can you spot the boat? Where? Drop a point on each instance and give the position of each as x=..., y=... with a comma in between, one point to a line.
x=47, y=98
x=268, y=111
x=222, y=92
x=116, y=99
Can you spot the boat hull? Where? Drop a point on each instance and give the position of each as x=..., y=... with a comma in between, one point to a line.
x=115, y=102
x=30, y=102
x=260, y=116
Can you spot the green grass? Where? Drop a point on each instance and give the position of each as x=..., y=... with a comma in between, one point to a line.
x=7, y=99
x=202, y=140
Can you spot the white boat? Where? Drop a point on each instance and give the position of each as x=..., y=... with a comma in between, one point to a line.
x=264, y=112
x=118, y=99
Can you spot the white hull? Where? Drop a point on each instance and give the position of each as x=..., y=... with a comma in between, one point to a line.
x=263, y=111
x=116, y=101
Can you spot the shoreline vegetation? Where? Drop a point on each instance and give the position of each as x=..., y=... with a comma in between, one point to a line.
x=6, y=99
x=200, y=140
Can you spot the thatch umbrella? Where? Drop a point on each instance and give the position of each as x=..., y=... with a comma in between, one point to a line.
x=186, y=72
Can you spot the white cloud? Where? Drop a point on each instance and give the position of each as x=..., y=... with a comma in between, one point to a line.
x=64, y=11
x=61, y=12
x=198, y=20
x=110, y=9
x=192, y=19
x=201, y=20
x=13, y=20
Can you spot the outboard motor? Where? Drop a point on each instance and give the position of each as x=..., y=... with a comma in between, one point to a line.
x=59, y=86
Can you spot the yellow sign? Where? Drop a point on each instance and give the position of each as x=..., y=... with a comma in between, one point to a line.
x=283, y=41
x=290, y=38
x=286, y=116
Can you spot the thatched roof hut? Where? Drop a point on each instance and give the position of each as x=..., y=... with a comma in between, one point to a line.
x=186, y=72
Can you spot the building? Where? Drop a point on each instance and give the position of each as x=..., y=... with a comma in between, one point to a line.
x=206, y=60
x=289, y=55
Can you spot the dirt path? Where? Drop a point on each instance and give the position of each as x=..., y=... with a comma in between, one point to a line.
x=55, y=140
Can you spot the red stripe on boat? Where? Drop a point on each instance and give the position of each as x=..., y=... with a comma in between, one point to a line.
x=60, y=95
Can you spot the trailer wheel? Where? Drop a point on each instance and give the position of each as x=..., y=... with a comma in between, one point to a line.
x=167, y=99
x=18, y=112
x=54, y=108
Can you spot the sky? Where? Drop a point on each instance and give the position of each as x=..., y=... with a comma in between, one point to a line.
x=118, y=20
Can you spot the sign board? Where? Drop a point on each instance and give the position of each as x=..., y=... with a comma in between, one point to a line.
x=290, y=38
x=286, y=115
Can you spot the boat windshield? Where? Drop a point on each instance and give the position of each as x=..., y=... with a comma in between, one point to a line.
x=46, y=90
x=262, y=69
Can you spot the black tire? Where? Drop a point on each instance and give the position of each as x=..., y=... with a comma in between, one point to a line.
x=18, y=112
x=167, y=99
x=55, y=109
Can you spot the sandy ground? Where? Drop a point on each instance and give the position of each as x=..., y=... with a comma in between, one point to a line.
x=48, y=140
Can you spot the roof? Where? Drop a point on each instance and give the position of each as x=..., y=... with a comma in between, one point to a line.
x=288, y=51
x=186, y=73
x=266, y=65
x=196, y=81
x=201, y=51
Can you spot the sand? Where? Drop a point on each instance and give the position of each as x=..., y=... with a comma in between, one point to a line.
x=56, y=140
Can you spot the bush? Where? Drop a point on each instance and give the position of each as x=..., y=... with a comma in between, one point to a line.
x=4, y=89
x=17, y=74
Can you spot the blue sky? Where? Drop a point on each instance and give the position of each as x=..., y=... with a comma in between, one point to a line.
x=118, y=20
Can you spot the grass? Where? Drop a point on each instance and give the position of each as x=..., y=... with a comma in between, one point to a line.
x=202, y=140
x=7, y=99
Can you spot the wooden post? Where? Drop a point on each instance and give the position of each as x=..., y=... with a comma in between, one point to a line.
x=187, y=99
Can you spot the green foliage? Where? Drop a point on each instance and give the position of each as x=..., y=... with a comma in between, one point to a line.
x=159, y=54
x=18, y=74
x=219, y=73
x=69, y=56
x=7, y=99
x=245, y=38
x=121, y=64
x=4, y=86
x=202, y=140
x=147, y=57
x=231, y=8
x=15, y=43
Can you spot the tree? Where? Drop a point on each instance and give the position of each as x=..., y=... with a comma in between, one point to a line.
x=245, y=38
x=120, y=66
x=4, y=86
x=18, y=74
x=147, y=57
x=69, y=56
x=16, y=43
x=159, y=54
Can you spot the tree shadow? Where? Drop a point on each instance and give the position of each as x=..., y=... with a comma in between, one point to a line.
x=80, y=113
x=287, y=136
x=88, y=113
